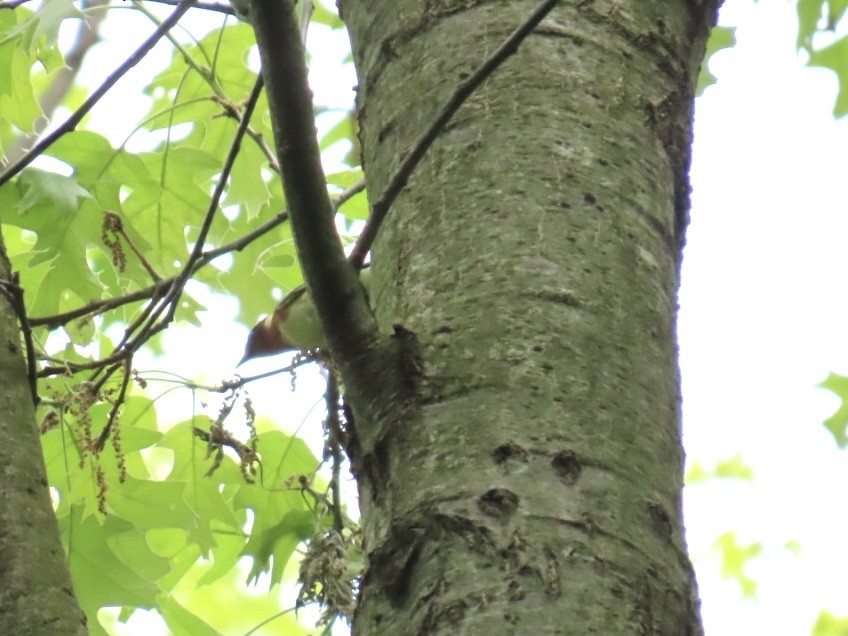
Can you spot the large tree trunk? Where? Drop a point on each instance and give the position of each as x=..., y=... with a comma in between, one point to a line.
x=36, y=594
x=535, y=486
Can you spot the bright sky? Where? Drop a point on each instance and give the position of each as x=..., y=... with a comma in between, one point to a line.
x=763, y=320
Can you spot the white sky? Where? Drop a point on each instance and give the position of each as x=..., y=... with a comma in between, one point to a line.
x=763, y=320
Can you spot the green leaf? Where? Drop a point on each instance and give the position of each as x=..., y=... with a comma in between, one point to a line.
x=102, y=578
x=734, y=558
x=344, y=130
x=720, y=38
x=793, y=546
x=48, y=19
x=271, y=547
x=151, y=504
x=828, y=624
x=60, y=213
x=322, y=15
x=246, y=185
x=282, y=517
x=181, y=621
x=815, y=16
x=18, y=104
x=733, y=468
x=838, y=422
x=833, y=57
x=809, y=14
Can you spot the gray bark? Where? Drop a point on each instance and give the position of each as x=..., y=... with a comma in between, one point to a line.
x=36, y=594
x=533, y=485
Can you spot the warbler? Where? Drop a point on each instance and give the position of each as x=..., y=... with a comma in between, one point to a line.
x=293, y=326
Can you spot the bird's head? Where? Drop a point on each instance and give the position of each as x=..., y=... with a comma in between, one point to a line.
x=265, y=339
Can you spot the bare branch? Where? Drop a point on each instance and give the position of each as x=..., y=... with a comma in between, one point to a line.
x=113, y=412
x=87, y=36
x=217, y=7
x=197, y=252
x=333, y=445
x=160, y=289
x=71, y=123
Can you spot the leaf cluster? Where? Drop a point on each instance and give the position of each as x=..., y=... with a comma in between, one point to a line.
x=105, y=237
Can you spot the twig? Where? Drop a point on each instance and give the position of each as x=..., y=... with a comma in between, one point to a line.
x=231, y=110
x=197, y=252
x=146, y=324
x=12, y=4
x=160, y=289
x=463, y=91
x=76, y=367
x=335, y=439
x=141, y=322
x=112, y=222
x=71, y=123
x=113, y=413
x=231, y=385
x=217, y=7
x=86, y=37
x=96, y=307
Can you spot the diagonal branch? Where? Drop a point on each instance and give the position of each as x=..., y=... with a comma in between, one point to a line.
x=151, y=321
x=86, y=37
x=463, y=91
x=217, y=7
x=197, y=251
x=160, y=289
x=71, y=123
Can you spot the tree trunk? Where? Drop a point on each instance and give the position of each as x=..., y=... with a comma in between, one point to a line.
x=36, y=594
x=535, y=487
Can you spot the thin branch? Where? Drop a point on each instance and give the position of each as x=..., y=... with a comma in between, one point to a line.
x=146, y=324
x=113, y=413
x=216, y=7
x=463, y=91
x=231, y=110
x=158, y=290
x=113, y=224
x=86, y=37
x=71, y=123
x=227, y=386
x=197, y=251
x=12, y=4
x=97, y=307
x=335, y=439
x=75, y=367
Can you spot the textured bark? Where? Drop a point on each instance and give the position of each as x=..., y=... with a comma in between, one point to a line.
x=36, y=595
x=534, y=483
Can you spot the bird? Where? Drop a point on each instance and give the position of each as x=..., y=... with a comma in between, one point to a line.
x=293, y=326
